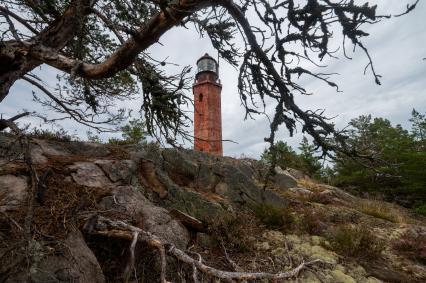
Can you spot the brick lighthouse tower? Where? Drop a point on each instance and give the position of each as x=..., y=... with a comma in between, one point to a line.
x=207, y=110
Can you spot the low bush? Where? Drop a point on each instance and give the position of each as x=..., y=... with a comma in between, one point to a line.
x=231, y=231
x=356, y=241
x=311, y=222
x=115, y=141
x=320, y=198
x=412, y=244
x=420, y=208
x=57, y=135
x=274, y=218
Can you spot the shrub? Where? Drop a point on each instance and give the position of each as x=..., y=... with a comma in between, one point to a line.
x=133, y=133
x=115, y=141
x=356, y=241
x=56, y=135
x=420, y=208
x=320, y=198
x=231, y=231
x=92, y=137
x=381, y=210
x=273, y=217
x=412, y=245
x=311, y=222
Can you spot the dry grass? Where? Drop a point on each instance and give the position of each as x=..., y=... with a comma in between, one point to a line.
x=310, y=185
x=382, y=210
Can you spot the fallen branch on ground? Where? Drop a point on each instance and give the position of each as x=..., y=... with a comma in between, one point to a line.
x=119, y=229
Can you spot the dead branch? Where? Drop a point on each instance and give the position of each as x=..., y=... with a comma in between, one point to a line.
x=21, y=20
x=235, y=266
x=7, y=123
x=119, y=229
x=12, y=221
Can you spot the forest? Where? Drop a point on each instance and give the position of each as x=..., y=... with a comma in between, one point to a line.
x=391, y=162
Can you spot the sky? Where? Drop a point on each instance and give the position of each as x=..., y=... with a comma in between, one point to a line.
x=397, y=47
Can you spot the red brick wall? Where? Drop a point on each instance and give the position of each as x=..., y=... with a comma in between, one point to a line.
x=207, y=115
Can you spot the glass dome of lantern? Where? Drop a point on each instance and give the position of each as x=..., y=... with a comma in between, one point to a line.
x=207, y=64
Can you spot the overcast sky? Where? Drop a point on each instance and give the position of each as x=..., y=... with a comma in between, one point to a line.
x=397, y=47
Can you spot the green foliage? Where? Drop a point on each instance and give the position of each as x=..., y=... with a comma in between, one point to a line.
x=91, y=137
x=419, y=125
x=133, y=133
x=397, y=163
x=115, y=141
x=310, y=163
x=285, y=157
x=356, y=241
x=55, y=135
x=420, y=208
x=273, y=217
x=284, y=154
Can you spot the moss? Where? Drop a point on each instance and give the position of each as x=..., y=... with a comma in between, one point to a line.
x=301, y=245
x=341, y=277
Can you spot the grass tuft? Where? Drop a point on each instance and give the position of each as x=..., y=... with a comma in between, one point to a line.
x=382, y=210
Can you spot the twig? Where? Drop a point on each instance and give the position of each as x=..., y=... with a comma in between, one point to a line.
x=235, y=266
x=22, y=21
x=12, y=220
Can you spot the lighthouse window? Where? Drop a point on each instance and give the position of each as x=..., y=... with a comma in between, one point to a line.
x=200, y=98
x=206, y=65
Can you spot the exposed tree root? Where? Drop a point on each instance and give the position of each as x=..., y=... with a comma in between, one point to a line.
x=120, y=229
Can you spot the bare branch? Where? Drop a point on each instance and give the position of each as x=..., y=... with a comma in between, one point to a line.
x=22, y=21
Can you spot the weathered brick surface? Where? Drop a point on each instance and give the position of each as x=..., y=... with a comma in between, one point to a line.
x=207, y=114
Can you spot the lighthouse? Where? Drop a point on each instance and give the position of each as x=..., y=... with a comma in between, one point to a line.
x=207, y=107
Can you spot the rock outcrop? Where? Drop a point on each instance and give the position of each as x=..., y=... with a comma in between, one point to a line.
x=217, y=207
